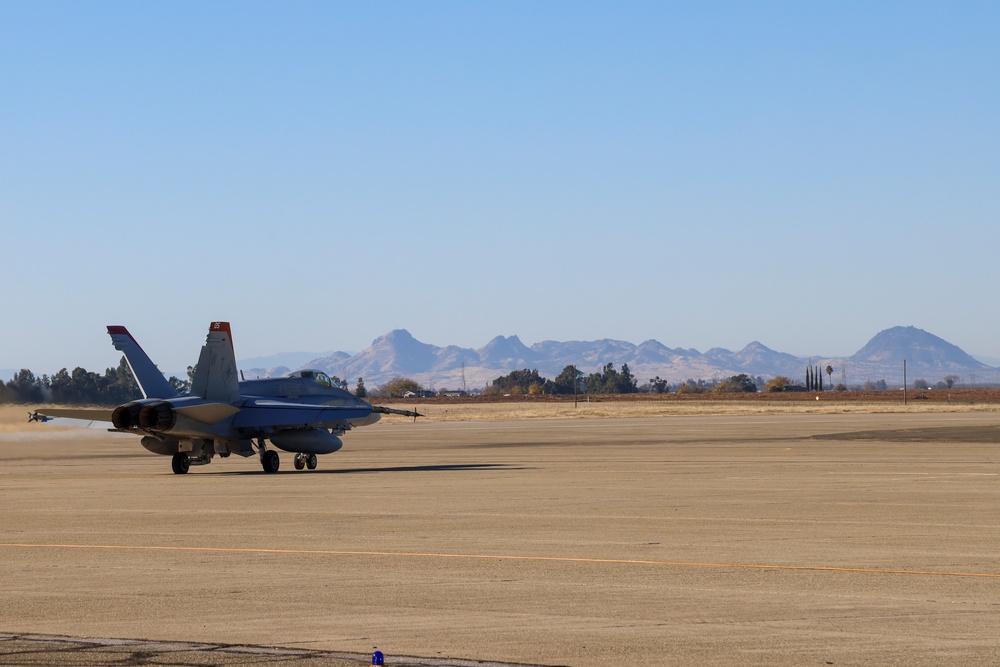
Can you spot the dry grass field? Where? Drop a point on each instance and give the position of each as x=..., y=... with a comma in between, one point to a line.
x=646, y=405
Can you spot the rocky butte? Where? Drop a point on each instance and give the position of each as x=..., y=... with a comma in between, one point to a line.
x=398, y=353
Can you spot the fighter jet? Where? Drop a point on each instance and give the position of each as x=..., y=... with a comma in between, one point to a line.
x=303, y=413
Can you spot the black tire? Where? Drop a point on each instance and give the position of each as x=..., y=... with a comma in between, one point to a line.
x=299, y=463
x=180, y=463
x=270, y=461
x=311, y=462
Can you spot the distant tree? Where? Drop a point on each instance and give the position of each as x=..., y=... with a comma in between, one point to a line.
x=84, y=384
x=950, y=380
x=517, y=382
x=398, y=386
x=61, y=387
x=596, y=383
x=25, y=387
x=840, y=387
x=360, y=390
x=610, y=381
x=180, y=386
x=627, y=384
x=878, y=385
x=118, y=385
x=779, y=383
x=692, y=387
x=736, y=383
x=566, y=381
x=658, y=385
x=829, y=372
x=921, y=383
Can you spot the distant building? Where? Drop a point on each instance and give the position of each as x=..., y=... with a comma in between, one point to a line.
x=423, y=393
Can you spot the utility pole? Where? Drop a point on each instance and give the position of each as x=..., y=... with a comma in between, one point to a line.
x=575, y=381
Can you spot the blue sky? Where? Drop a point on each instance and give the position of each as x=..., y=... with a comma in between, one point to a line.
x=319, y=173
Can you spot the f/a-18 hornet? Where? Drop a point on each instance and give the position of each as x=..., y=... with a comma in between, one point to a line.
x=303, y=413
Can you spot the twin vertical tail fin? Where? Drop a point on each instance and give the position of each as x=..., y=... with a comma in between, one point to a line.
x=215, y=378
x=151, y=382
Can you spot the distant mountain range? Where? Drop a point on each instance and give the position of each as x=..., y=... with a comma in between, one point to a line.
x=397, y=353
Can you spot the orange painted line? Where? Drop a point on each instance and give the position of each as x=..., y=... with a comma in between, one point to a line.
x=555, y=559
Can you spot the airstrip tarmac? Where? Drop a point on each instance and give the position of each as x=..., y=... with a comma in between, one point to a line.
x=773, y=539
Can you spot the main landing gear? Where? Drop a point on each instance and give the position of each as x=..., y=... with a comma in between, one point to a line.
x=269, y=459
x=305, y=461
x=180, y=463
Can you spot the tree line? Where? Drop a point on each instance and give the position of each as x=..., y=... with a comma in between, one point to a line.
x=79, y=386
x=609, y=380
x=117, y=385
x=570, y=381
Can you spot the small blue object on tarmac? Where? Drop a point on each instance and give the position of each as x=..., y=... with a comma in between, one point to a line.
x=378, y=658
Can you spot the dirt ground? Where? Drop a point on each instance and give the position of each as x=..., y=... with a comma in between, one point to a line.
x=801, y=537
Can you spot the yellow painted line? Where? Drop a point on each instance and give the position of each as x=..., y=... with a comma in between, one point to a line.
x=554, y=559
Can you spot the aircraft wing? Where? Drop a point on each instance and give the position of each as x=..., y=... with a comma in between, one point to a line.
x=79, y=417
x=285, y=414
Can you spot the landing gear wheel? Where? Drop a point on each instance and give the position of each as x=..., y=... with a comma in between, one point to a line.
x=311, y=462
x=269, y=461
x=180, y=463
x=299, y=462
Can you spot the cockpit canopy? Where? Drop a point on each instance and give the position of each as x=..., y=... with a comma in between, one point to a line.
x=319, y=377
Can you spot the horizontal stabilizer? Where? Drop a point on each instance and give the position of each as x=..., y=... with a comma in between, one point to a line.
x=96, y=414
x=79, y=417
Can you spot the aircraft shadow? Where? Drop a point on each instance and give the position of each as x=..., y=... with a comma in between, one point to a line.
x=356, y=471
